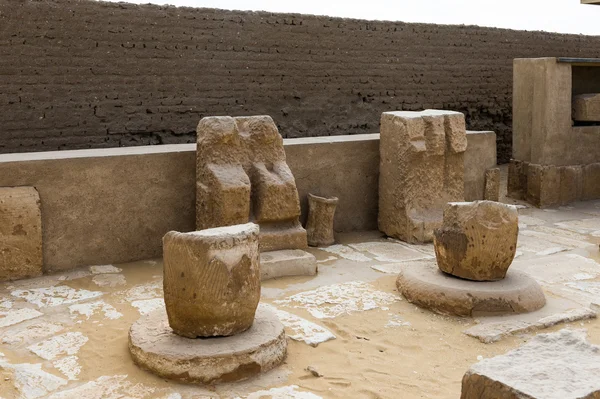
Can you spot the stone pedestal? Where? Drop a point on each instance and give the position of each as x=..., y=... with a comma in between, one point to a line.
x=155, y=347
x=319, y=227
x=212, y=280
x=20, y=233
x=421, y=169
x=242, y=176
x=477, y=240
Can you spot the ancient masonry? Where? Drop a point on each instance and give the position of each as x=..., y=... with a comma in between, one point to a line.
x=421, y=169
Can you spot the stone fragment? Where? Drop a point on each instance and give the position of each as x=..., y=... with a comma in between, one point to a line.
x=421, y=169
x=155, y=347
x=543, y=185
x=586, y=107
x=517, y=179
x=20, y=233
x=319, y=227
x=478, y=240
x=492, y=185
x=591, y=182
x=212, y=280
x=561, y=365
x=287, y=262
x=242, y=176
x=571, y=184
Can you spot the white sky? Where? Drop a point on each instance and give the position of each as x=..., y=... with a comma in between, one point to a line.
x=566, y=16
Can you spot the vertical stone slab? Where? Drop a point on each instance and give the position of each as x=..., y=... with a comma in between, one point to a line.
x=319, y=226
x=479, y=157
x=20, y=233
x=212, y=280
x=543, y=185
x=421, y=169
x=571, y=184
x=517, y=179
x=591, y=181
x=242, y=176
x=492, y=185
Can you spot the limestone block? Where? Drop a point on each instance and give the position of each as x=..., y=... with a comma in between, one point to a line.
x=517, y=179
x=287, y=262
x=20, y=233
x=421, y=168
x=492, y=184
x=479, y=157
x=571, y=184
x=477, y=240
x=543, y=185
x=591, y=181
x=556, y=365
x=586, y=107
x=242, y=176
x=212, y=280
x=319, y=227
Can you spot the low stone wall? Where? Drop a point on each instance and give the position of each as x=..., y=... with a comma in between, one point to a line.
x=114, y=205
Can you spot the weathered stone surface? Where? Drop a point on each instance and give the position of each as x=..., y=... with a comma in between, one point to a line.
x=155, y=347
x=242, y=176
x=421, y=169
x=543, y=185
x=586, y=107
x=428, y=287
x=492, y=184
x=319, y=227
x=561, y=365
x=517, y=179
x=20, y=233
x=477, y=240
x=571, y=184
x=212, y=280
x=287, y=262
x=479, y=157
x=591, y=181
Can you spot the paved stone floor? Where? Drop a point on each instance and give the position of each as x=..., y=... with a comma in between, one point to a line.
x=350, y=333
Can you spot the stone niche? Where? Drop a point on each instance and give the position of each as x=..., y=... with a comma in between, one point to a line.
x=242, y=176
x=20, y=233
x=556, y=131
x=421, y=169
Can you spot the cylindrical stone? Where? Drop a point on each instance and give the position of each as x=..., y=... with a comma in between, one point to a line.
x=319, y=227
x=212, y=280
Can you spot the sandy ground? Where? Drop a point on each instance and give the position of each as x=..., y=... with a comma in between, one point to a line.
x=65, y=335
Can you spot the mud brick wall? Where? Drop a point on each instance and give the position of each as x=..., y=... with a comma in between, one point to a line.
x=86, y=74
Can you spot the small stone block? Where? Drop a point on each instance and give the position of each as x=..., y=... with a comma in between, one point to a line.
x=517, y=179
x=492, y=184
x=20, y=233
x=591, y=181
x=319, y=226
x=556, y=365
x=477, y=240
x=571, y=184
x=287, y=262
x=586, y=107
x=543, y=185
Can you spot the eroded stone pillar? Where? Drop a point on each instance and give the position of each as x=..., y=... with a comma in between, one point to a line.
x=212, y=280
x=421, y=169
x=20, y=233
x=492, y=184
x=319, y=227
x=242, y=176
x=478, y=240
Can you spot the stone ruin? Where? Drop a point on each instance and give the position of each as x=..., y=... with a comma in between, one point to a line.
x=211, y=290
x=242, y=176
x=474, y=248
x=421, y=169
x=319, y=226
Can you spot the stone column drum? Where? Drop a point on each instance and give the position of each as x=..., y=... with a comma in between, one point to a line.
x=319, y=227
x=212, y=280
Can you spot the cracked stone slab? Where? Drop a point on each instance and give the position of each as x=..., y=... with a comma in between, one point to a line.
x=16, y=316
x=303, y=330
x=54, y=296
x=493, y=332
x=388, y=251
x=561, y=365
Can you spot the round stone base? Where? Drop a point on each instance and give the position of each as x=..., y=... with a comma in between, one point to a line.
x=428, y=287
x=155, y=347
